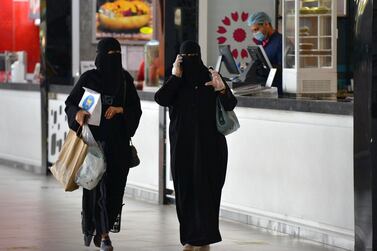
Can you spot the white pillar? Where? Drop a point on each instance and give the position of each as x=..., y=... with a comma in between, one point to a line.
x=203, y=28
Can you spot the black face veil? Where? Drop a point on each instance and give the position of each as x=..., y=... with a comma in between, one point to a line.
x=194, y=71
x=109, y=64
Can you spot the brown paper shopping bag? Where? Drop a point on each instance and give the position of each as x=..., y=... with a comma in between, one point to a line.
x=70, y=160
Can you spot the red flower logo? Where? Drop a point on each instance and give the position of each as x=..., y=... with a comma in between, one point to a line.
x=232, y=31
x=235, y=16
x=239, y=35
x=244, y=16
x=226, y=21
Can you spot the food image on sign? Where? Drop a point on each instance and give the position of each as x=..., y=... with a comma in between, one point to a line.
x=132, y=17
x=129, y=21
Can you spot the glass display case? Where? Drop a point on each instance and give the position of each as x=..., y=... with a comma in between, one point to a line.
x=13, y=66
x=309, y=47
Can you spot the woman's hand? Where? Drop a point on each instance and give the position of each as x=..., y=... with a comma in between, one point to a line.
x=112, y=111
x=217, y=81
x=177, y=69
x=82, y=116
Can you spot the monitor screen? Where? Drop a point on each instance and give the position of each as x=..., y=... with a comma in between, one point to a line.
x=227, y=58
x=257, y=53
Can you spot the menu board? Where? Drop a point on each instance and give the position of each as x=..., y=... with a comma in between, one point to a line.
x=129, y=21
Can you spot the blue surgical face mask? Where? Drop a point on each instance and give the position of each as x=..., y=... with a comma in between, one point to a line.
x=259, y=36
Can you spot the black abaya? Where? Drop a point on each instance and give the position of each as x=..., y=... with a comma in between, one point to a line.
x=114, y=135
x=198, y=154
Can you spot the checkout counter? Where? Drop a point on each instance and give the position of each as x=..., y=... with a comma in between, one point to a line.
x=20, y=107
x=290, y=167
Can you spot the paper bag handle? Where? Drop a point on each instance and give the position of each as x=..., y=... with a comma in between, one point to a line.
x=79, y=132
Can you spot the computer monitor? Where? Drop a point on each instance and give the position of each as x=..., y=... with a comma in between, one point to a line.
x=227, y=57
x=257, y=53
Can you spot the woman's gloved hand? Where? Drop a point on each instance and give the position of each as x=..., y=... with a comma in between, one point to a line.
x=177, y=66
x=217, y=81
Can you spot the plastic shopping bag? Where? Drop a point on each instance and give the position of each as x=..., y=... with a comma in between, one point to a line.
x=87, y=136
x=94, y=165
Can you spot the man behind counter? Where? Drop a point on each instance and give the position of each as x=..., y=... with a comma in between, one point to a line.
x=271, y=40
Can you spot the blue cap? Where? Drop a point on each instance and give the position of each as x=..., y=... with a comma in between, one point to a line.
x=258, y=18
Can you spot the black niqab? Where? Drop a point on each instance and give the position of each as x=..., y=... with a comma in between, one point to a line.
x=109, y=64
x=194, y=71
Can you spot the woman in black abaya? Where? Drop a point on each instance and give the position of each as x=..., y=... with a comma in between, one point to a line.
x=198, y=151
x=120, y=117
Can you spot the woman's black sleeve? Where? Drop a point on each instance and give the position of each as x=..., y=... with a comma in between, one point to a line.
x=131, y=108
x=166, y=95
x=72, y=103
x=227, y=99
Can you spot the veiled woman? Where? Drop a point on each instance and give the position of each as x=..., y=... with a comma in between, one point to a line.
x=120, y=117
x=198, y=151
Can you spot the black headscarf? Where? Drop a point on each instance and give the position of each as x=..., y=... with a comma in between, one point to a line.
x=109, y=64
x=194, y=71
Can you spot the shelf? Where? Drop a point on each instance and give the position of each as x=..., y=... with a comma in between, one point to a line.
x=316, y=50
x=308, y=1
x=314, y=67
x=310, y=15
x=310, y=56
x=315, y=15
x=309, y=51
x=310, y=37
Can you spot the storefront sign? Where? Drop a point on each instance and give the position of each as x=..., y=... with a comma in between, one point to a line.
x=129, y=21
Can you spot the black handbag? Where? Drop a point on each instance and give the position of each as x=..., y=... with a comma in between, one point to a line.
x=133, y=158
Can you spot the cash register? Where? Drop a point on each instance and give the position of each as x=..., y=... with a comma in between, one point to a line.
x=255, y=79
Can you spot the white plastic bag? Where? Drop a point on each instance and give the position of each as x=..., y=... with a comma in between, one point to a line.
x=87, y=136
x=94, y=165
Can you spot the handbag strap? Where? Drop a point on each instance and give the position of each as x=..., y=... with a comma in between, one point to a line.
x=124, y=100
x=124, y=90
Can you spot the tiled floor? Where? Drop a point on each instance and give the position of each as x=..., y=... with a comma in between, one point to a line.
x=36, y=214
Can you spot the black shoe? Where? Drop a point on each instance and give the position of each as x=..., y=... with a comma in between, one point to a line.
x=87, y=239
x=97, y=240
x=106, y=245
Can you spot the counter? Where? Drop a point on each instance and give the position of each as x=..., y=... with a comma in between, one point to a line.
x=292, y=171
x=298, y=105
x=20, y=126
x=287, y=104
x=147, y=94
x=20, y=86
